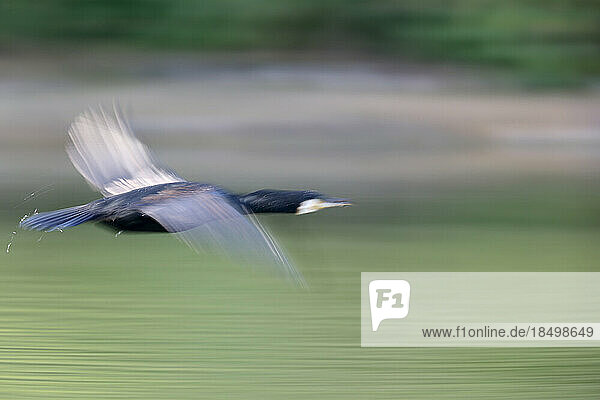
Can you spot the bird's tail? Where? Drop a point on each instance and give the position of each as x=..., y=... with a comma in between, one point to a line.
x=59, y=219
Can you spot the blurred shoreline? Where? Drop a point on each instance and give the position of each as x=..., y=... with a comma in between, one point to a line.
x=97, y=62
x=358, y=120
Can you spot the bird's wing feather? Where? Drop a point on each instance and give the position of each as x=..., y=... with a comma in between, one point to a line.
x=107, y=154
x=206, y=221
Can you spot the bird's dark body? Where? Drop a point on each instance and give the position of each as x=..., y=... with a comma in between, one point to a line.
x=123, y=212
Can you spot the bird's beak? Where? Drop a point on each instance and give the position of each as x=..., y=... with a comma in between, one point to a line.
x=335, y=202
x=310, y=206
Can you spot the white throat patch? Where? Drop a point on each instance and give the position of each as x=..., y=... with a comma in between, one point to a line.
x=309, y=206
x=312, y=205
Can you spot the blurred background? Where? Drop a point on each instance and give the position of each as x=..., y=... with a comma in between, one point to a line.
x=466, y=132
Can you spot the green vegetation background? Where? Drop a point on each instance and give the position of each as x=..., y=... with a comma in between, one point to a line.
x=544, y=43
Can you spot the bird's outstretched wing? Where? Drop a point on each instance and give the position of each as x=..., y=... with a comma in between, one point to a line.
x=107, y=154
x=206, y=221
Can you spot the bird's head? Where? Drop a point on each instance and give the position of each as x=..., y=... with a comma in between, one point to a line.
x=290, y=201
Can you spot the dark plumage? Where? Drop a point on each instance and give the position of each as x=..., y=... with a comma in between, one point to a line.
x=140, y=195
x=140, y=209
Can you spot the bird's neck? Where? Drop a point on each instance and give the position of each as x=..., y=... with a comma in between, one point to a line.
x=271, y=201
